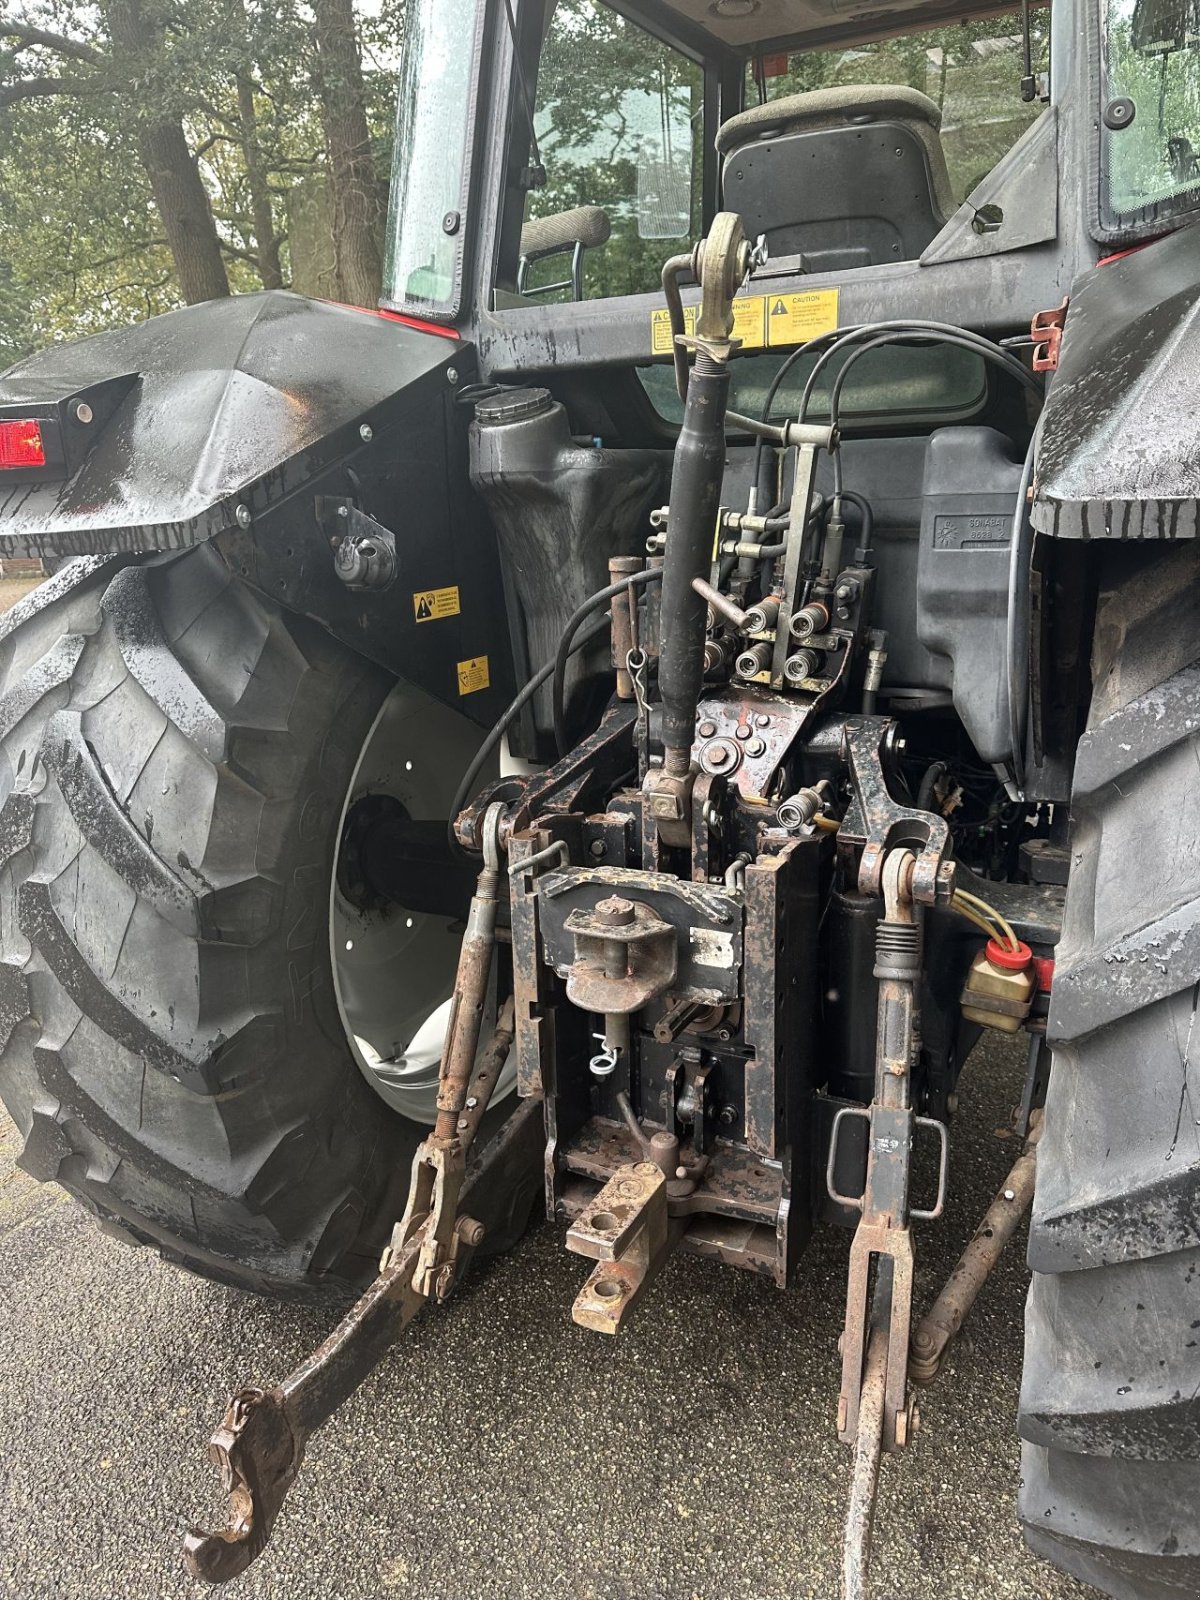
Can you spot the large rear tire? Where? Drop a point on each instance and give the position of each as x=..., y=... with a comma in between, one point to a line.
x=1109, y=1405
x=175, y=753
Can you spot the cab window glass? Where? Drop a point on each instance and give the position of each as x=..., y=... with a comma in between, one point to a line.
x=618, y=116
x=972, y=73
x=1150, y=131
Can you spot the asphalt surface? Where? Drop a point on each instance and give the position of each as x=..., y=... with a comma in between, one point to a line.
x=502, y=1452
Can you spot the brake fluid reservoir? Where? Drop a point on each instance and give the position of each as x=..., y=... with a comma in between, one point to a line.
x=999, y=987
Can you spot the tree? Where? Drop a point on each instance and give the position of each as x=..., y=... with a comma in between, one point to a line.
x=355, y=191
x=129, y=60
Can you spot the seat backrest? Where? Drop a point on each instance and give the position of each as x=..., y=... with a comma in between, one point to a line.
x=845, y=177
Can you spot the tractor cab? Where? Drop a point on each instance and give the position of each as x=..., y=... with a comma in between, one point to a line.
x=557, y=161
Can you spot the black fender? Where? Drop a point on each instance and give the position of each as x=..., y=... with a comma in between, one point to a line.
x=1118, y=454
x=247, y=421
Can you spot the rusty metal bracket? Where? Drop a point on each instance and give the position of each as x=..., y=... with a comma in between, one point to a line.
x=1046, y=331
x=625, y=955
x=880, y=824
x=260, y=1443
x=627, y=1231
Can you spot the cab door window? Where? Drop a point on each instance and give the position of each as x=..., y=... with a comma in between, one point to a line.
x=619, y=119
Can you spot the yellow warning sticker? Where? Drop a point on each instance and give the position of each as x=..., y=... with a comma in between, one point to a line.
x=430, y=604
x=761, y=321
x=660, y=329
x=749, y=313
x=794, y=318
x=473, y=675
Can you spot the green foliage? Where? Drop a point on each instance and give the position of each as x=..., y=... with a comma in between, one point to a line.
x=1156, y=156
x=609, y=97
x=81, y=245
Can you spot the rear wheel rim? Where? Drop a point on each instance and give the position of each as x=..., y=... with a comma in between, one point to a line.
x=393, y=968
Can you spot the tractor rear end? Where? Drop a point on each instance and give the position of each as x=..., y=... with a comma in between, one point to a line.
x=478, y=761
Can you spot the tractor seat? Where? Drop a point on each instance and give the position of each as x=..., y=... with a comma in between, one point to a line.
x=845, y=177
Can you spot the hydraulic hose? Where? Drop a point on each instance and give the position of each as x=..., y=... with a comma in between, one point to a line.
x=695, y=500
x=566, y=644
x=520, y=700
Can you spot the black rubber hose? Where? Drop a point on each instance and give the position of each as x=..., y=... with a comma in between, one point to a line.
x=508, y=717
x=865, y=511
x=567, y=648
x=933, y=772
x=694, y=502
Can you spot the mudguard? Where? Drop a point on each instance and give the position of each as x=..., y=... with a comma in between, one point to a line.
x=248, y=421
x=1119, y=452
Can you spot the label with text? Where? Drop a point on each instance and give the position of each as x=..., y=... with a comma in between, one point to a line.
x=473, y=675
x=431, y=604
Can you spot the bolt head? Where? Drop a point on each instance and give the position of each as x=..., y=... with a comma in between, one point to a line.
x=707, y=729
x=1010, y=1194
x=451, y=375
x=244, y=517
x=742, y=731
x=762, y=720
x=615, y=912
x=718, y=756
x=366, y=433
x=597, y=848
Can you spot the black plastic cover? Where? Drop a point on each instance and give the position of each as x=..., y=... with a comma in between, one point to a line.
x=971, y=487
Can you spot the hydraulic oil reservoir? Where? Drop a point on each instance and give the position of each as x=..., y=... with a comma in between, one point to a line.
x=970, y=496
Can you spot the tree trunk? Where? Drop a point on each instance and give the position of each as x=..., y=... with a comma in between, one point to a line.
x=266, y=242
x=175, y=182
x=354, y=190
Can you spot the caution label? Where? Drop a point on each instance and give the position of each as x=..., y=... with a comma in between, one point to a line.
x=431, y=604
x=796, y=318
x=661, y=342
x=761, y=321
x=473, y=675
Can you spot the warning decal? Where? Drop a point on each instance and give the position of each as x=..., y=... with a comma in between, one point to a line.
x=473, y=675
x=761, y=321
x=660, y=329
x=794, y=318
x=430, y=604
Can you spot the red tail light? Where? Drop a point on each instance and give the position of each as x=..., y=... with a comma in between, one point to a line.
x=21, y=444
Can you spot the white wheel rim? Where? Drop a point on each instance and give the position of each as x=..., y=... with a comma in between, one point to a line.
x=393, y=969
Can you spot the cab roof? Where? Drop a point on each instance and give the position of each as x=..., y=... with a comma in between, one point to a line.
x=750, y=27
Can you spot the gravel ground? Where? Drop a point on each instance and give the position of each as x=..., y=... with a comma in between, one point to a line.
x=503, y=1452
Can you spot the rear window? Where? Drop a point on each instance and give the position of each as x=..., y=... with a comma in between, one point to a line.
x=909, y=382
x=1150, y=129
x=971, y=71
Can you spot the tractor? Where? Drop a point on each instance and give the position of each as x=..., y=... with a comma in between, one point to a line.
x=610, y=730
